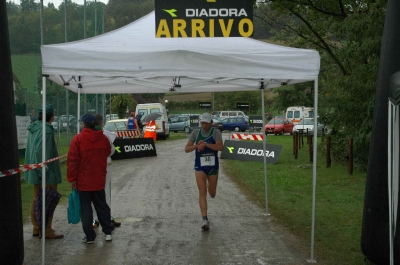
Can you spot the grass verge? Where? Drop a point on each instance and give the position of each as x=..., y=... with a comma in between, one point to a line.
x=339, y=200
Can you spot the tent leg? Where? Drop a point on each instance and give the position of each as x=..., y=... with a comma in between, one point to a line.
x=43, y=167
x=265, y=148
x=314, y=181
x=78, y=111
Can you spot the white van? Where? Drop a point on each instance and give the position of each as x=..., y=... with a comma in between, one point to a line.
x=297, y=113
x=161, y=123
x=111, y=117
x=230, y=113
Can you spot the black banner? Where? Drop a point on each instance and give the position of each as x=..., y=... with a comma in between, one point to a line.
x=243, y=105
x=255, y=121
x=250, y=151
x=203, y=18
x=133, y=148
x=194, y=121
x=205, y=105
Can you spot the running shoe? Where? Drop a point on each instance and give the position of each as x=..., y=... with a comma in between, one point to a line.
x=85, y=240
x=108, y=237
x=206, y=225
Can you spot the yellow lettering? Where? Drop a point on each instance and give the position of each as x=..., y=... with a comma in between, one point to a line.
x=226, y=30
x=211, y=33
x=197, y=27
x=163, y=29
x=179, y=28
x=241, y=25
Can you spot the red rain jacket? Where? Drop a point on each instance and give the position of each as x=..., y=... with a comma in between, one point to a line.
x=87, y=160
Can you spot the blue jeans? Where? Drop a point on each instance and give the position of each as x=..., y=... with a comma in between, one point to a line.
x=98, y=198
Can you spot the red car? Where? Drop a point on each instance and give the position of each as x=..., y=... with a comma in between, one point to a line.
x=279, y=126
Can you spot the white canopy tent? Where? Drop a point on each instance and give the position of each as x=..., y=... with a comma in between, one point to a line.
x=132, y=60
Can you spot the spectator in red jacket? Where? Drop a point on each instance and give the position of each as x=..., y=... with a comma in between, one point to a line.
x=86, y=171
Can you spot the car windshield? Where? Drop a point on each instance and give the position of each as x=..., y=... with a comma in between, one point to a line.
x=115, y=126
x=306, y=122
x=276, y=121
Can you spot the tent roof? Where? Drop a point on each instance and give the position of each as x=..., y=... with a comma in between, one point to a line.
x=132, y=60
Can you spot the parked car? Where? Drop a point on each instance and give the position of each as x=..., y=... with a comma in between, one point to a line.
x=62, y=123
x=55, y=123
x=115, y=125
x=180, y=123
x=73, y=125
x=217, y=123
x=111, y=117
x=279, y=126
x=235, y=124
x=307, y=125
x=230, y=113
x=162, y=124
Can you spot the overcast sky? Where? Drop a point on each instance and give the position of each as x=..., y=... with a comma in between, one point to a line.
x=58, y=2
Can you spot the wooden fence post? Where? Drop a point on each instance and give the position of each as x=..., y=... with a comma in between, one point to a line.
x=294, y=143
x=351, y=156
x=328, y=152
x=310, y=147
x=296, y=149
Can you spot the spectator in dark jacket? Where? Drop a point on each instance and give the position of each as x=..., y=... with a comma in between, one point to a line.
x=86, y=171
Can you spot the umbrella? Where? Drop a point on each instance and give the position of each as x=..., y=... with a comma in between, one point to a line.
x=52, y=199
x=151, y=117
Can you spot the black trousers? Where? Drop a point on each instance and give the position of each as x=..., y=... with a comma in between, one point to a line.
x=98, y=198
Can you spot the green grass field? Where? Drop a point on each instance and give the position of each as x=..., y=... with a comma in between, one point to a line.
x=339, y=200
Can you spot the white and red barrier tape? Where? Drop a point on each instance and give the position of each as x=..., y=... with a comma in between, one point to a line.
x=23, y=168
x=132, y=134
x=245, y=136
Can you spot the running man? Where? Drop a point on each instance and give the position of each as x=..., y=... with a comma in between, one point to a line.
x=206, y=142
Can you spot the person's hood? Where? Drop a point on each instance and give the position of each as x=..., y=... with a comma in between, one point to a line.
x=92, y=135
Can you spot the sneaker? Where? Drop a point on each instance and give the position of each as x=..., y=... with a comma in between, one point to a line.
x=84, y=240
x=108, y=237
x=115, y=223
x=95, y=223
x=206, y=225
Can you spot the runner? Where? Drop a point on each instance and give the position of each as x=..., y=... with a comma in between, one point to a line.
x=206, y=142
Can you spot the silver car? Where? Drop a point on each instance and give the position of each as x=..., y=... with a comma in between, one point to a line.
x=307, y=125
x=180, y=123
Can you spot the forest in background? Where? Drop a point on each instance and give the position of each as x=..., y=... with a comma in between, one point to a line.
x=347, y=34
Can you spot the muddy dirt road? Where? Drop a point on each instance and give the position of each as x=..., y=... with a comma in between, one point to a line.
x=156, y=200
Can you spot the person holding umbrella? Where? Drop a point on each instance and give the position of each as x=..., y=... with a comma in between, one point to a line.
x=151, y=125
x=206, y=142
x=33, y=155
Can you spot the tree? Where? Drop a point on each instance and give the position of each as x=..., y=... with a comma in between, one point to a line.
x=121, y=103
x=148, y=98
x=228, y=100
x=29, y=5
x=295, y=95
x=12, y=8
x=348, y=36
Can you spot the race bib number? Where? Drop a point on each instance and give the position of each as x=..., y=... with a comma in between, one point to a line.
x=207, y=160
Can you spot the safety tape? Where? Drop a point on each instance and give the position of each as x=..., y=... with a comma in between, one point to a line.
x=245, y=136
x=133, y=134
x=23, y=168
